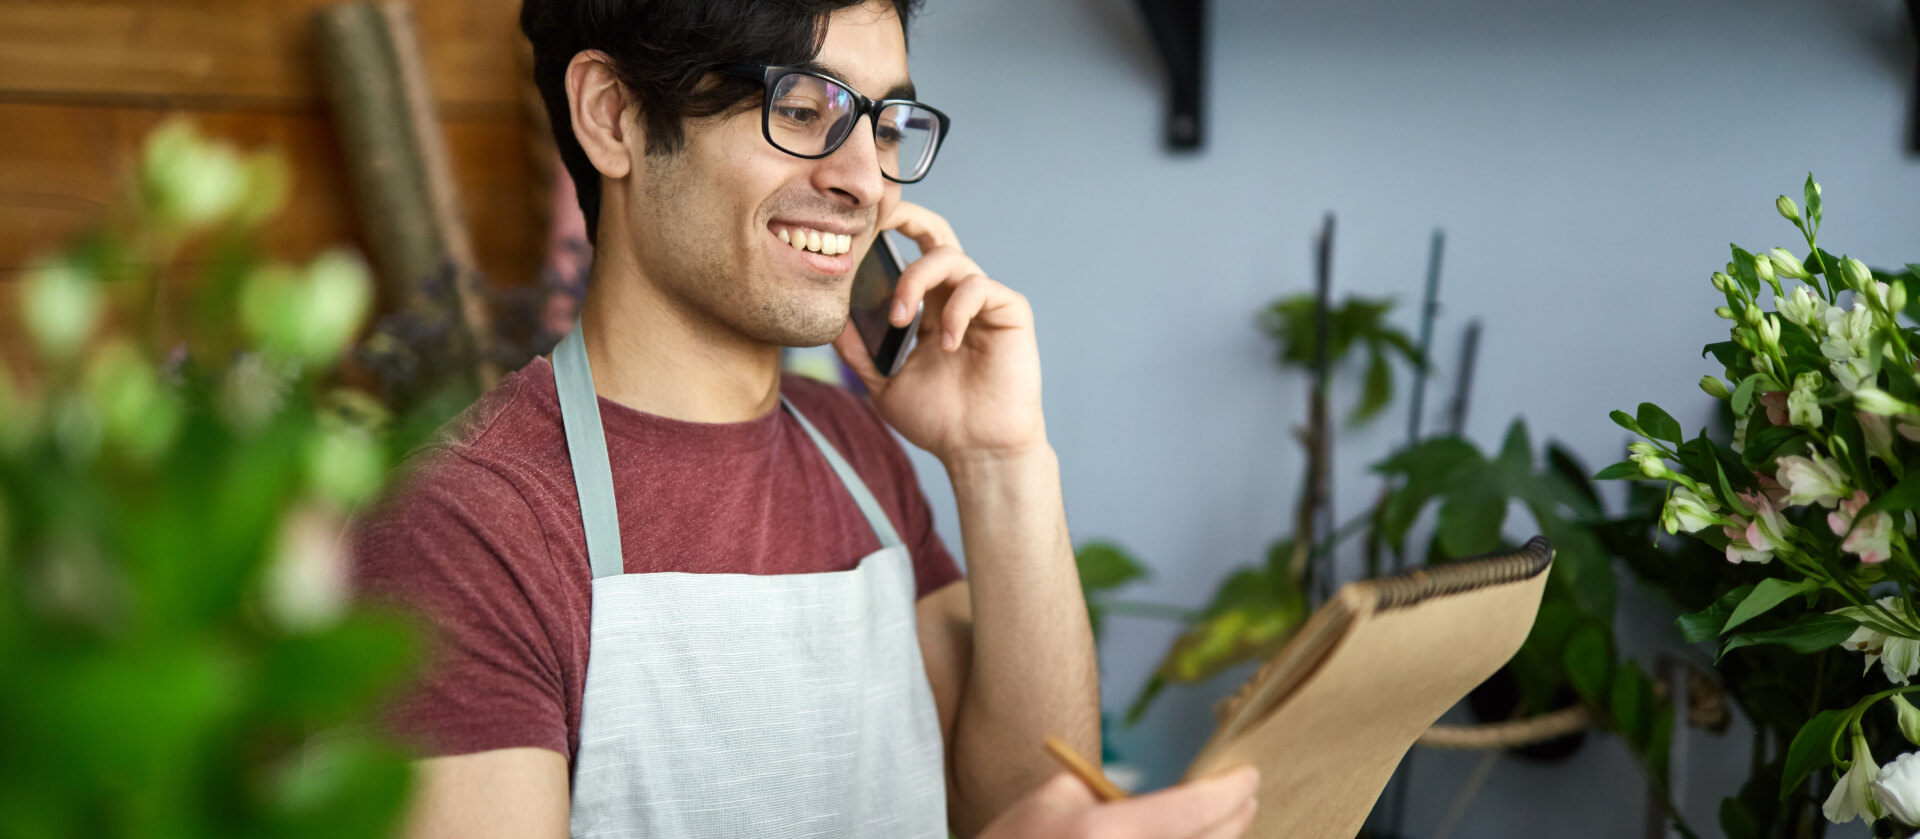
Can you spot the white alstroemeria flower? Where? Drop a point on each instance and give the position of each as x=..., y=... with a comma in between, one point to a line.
x=1803, y=404
x=1812, y=480
x=1849, y=332
x=1897, y=789
x=1805, y=309
x=1899, y=657
x=1785, y=264
x=1687, y=511
x=1854, y=373
x=1879, y=433
x=1872, y=540
x=1852, y=798
x=1738, y=548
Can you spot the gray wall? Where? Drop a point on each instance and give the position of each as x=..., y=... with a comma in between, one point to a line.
x=1589, y=163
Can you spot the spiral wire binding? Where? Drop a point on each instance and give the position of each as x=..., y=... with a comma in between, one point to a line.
x=1412, y=587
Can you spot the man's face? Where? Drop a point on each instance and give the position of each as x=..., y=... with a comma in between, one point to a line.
x=707, y=219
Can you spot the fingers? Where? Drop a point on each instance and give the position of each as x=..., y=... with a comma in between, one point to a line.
x=968, y=298
x=922, y=276
x=1210, y=808
x=925, y=227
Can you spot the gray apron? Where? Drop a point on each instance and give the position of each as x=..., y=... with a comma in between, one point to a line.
x=720, y=705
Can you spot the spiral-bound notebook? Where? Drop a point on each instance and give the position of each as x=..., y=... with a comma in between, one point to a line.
x=1329, y=717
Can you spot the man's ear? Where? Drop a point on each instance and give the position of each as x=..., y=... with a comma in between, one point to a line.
x=597, y=104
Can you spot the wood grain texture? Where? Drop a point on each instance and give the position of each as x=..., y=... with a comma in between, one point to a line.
x=234, y=54
x=60, y=167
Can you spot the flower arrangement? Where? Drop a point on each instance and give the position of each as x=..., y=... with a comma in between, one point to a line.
x=1812, y=503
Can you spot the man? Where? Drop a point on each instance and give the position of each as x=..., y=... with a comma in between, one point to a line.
x=679, y=594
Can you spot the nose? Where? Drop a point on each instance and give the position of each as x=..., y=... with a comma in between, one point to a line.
x=852, y=172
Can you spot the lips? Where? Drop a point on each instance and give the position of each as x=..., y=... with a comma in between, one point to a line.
x=818, y=251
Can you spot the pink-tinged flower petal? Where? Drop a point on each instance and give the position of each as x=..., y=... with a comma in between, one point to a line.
x=1775, y=401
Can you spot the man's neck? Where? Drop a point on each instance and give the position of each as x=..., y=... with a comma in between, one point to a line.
x=651, y=353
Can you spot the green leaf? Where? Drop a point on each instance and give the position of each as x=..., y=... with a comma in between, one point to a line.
x=1809, y=634
x=1622, y=419
x=1764, y=445
x=1767, y=594
x=1625, y=470
x=1377, y=390
x=1104, y=565
x=1589, y=662
x=1632, y=697
x=1743, y=395
x=1728, y=495
x=1471, y=521
x=1659, y=423
x=1812, y=749
x=1705, y=624
x=1727, y=353
x=1737, y=820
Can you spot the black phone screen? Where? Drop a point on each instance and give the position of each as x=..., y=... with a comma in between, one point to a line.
x=872, y=301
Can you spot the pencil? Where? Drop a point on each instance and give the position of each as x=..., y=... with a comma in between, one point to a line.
x=1087, y=772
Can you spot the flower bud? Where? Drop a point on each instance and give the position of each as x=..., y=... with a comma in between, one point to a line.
x=1803, y=403
x=1876, y=401
x=1856, y=273
x=1909, y=718
x=1787, y=209
x=1722, y=282
x=1751, y=316
x=1723, y=312
x=1764, y=268
x=61, y=305
x=1769, y=329
x=1786, y=264
x=1714, y=387
x=1897, y=297
x=1686, y=511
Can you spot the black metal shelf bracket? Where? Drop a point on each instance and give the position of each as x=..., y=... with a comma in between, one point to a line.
x=1179, y=34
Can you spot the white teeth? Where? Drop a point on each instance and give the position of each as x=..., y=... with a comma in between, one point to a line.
x=829, y=244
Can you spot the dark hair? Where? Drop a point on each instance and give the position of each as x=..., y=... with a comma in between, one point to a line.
x=661, y=50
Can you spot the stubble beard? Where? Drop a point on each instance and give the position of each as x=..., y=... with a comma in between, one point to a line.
x=746, y=298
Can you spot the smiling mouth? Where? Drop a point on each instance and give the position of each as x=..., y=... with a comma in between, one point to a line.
x=817, y=241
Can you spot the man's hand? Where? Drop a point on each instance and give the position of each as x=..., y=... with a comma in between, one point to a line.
x=1063, y=808
x=972, y=384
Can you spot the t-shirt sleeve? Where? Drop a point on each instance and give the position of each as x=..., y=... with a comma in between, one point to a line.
x=457, y=546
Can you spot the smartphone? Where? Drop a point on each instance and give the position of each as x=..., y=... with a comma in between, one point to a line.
x=872, y=301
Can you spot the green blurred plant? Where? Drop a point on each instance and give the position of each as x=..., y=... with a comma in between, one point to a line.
x=181, y=656
x=1358, y=321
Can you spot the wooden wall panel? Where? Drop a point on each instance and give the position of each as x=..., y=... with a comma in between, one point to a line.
x=82, y=82
x=236, y=53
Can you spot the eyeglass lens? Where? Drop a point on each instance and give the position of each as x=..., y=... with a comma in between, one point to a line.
x=809, y=115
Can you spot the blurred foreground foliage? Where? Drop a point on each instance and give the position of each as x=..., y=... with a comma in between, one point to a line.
x=180, y=653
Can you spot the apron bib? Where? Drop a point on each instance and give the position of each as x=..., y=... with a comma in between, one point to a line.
x=721, y=705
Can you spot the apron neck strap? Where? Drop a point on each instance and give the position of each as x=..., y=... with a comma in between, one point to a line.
x=587, y=449
x=869, y=506
x=593, y=473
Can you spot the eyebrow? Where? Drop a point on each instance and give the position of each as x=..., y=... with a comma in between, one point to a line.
x=900, y=90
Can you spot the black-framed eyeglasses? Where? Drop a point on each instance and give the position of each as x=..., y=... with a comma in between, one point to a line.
x=808, y=114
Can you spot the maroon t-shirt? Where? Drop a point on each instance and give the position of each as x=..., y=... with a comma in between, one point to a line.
x=482, y=537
